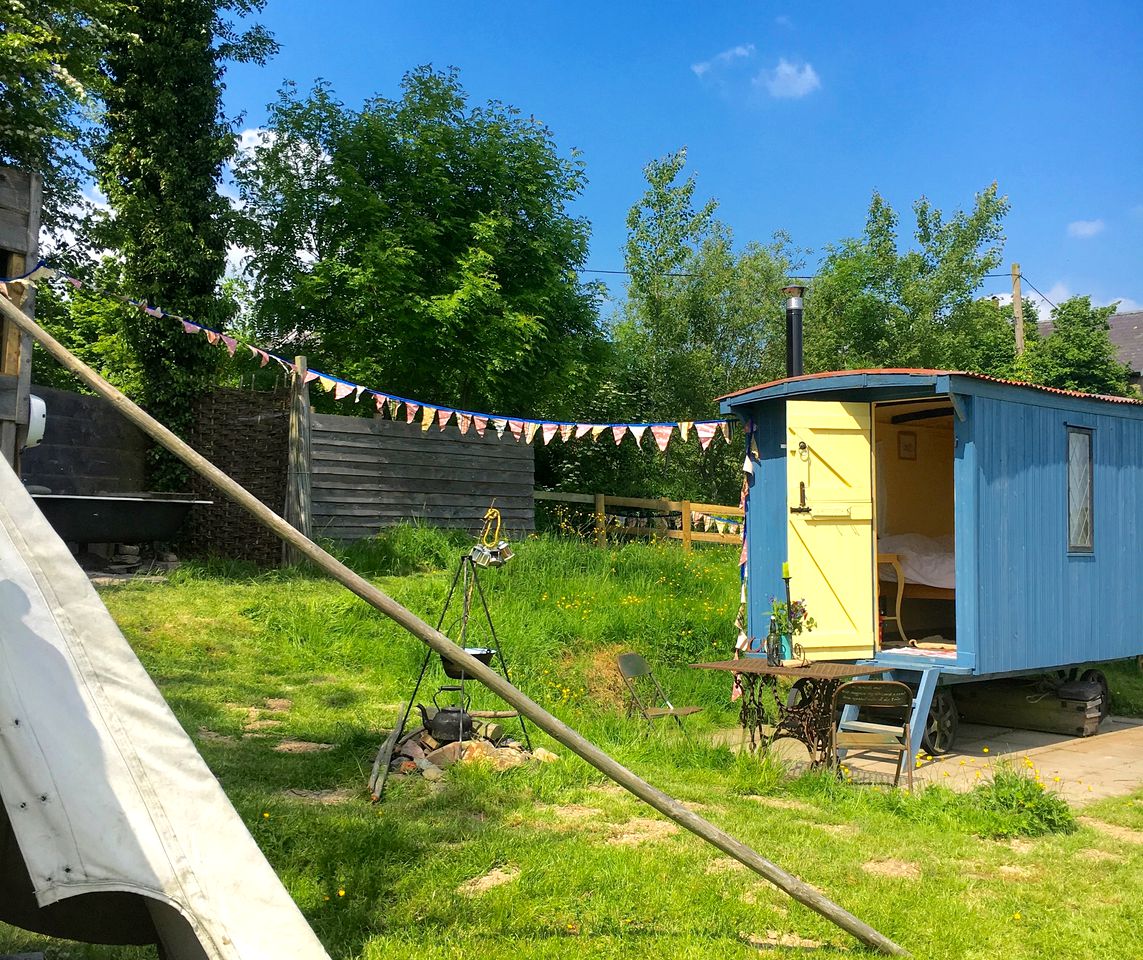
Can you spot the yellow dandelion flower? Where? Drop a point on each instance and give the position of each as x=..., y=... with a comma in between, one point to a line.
x=1016, y=916
x=985, y=750
x=341, y=892
x=265, y=816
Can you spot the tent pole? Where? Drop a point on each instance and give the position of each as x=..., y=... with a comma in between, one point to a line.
x=665, y=804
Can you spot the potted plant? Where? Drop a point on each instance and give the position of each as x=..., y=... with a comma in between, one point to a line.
x=788, y=619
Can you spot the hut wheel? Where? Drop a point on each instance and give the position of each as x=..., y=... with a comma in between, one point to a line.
x=1097, y=676
x=941, y=724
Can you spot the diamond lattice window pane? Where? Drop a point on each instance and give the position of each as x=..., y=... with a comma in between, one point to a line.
x=1079, y=490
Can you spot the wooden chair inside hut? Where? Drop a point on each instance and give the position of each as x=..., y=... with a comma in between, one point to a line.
x=645, y=692
x=888, y=733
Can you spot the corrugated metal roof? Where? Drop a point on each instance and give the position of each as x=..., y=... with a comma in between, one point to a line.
x=937, y=373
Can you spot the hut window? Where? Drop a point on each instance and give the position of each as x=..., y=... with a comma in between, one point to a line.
x=1080, y=520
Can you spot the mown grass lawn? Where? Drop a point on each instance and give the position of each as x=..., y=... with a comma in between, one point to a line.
x=248, y=662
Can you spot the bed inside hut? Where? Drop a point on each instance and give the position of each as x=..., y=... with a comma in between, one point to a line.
x=914, y=446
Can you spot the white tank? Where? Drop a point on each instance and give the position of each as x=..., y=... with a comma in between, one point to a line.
x=37, y=421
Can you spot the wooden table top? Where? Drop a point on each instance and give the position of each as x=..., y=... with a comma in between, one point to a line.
x=818, y=670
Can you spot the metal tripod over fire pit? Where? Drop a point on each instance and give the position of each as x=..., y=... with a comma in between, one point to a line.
x=454, y=722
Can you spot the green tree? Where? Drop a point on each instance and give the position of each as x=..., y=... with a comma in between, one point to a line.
x=159, y=159
x=422, y=245
x=876, y=305
x=1078, y=353
x=700, y=319
x=51, y=58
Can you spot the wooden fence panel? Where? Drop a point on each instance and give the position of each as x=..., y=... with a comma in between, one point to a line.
x=373, y=473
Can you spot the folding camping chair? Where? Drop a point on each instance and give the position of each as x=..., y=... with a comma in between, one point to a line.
x=861, y=736
x=636, y=674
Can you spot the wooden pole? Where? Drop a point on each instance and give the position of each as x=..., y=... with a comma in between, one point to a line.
x=687, y=525
x=299, y=483
x=665, y=804
x=1017, y=309
x=600, y=520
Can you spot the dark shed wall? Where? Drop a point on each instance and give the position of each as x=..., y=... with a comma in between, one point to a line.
x=88, y=448
x=1038, y=605
x=372, y=473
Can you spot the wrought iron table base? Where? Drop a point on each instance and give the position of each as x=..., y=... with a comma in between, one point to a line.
x=807, y=717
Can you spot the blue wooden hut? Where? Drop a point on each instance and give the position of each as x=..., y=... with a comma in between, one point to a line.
x=950, y=525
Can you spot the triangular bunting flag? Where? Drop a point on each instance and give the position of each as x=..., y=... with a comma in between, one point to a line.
x=78, y=284
x=566, y=431
x=480, y=423
x=747, y=465
x=211, y=335
x=342, y=390
x=151, y=311
x=500, y=425
x=189, y=327
x=685, y=430
x=549, y=432
x=597, y=429
x=517, y=428
x=394, y=406
x=463, y=421
x=581, y=429
x=310, y=377
x=530, y=429
x=359, y=390
x=411, y=411
x=637, y=431
x=662, y=434
x=443, y=417
x=618, y=431
x=706, y=432
x=379, y=403
x=725, y=428
x=231, y=344
x=427, y=414
x=326, y=383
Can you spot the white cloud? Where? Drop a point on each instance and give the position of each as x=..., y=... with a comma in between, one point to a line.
x=783, y=21
x=1126, y=305
x=1085, y=229
x=743, y=51
x=253, y=137
x=788, y=81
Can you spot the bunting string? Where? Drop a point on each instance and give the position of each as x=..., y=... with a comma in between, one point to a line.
x=521, y=429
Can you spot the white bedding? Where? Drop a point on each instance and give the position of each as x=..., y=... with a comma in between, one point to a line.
x=927, y=560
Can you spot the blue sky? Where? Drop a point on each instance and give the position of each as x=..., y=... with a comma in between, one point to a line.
x=792, y=113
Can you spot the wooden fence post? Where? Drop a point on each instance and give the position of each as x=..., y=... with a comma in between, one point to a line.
x=299, y=488
x=686, y=505
x=600, y=520
x=20, y=200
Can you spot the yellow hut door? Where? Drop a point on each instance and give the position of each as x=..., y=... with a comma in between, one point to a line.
x=830, y=493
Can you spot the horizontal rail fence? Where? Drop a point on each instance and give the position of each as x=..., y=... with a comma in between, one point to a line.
x=683, y=520
x=372, y=473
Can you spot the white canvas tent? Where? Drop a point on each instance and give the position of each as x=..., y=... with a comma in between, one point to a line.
x=112, y=828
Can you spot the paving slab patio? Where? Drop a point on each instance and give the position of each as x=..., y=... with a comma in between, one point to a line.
x=1081, y=769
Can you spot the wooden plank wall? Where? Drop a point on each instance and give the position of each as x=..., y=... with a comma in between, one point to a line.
x=373, y=473
x=88, y=447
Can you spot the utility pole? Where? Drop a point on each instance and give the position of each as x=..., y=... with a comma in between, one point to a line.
x=1017, y=309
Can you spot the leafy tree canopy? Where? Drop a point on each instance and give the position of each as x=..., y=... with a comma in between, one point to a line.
x=701, y=319
x=1078, y=353
x=51, y=76
x=876, y=305
x=422, y=245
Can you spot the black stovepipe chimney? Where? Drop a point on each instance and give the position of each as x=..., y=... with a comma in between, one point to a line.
x=793, y=296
